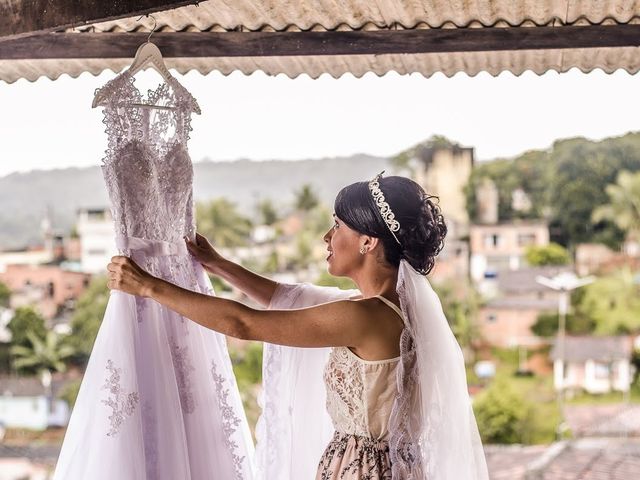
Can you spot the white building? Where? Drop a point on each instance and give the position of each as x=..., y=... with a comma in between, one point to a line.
x=97, y=239
x=24, y=404
x=593, y=364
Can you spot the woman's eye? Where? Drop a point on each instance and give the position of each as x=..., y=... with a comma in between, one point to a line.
x=335, y=225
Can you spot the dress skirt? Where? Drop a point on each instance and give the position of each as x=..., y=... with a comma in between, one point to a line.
x=354, y=457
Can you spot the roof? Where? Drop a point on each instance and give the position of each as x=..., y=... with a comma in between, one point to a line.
x=523, y=281
x=582, y=459
x=248, y=17
x=522, y=303
x=605, y=349
x=26, y=386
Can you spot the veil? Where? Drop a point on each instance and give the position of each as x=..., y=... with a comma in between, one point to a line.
x=433, y=431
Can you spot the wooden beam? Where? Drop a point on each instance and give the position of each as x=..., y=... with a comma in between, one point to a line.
x=257, y=44
x=19, y=18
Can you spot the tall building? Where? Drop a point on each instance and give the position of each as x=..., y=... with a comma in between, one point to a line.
x=95, y=228
x=444, y=171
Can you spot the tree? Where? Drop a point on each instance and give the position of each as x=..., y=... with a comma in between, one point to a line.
x=306, y=198
x=552, y=254
x=87, y=319
x=5, y=295
x=502, y=414
x=44, y=356
x=220, y=221
x=422, y=150
x=268, y=212
x=26, y=321
x=623, y=207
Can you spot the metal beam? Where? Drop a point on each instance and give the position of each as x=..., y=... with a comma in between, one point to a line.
x=19, y=18
x=257, y=44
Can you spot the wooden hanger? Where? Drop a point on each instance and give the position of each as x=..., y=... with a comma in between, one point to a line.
x=147, y=55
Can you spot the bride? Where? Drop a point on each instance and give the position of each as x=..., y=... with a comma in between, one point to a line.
x=394, y=377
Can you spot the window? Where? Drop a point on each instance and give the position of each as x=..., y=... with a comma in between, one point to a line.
x=525, y=239
x=491, y=240
x=491, y=317
x=602, y=370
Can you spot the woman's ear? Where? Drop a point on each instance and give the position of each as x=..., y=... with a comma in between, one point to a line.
x=370, y=243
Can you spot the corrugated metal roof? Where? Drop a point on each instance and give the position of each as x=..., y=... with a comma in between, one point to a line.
x=281, y=15
x=472, y=63
x=274, y=15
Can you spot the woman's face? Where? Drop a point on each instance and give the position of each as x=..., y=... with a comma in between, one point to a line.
x=343, y=245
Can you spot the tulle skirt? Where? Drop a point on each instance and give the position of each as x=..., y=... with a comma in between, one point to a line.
x=158, y=400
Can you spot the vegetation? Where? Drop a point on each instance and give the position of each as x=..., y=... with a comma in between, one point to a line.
x=552, y=254
x=623, y=207
x=87, y=319
x=565, y=184
x=42, y=354
x=267, y=212
x=5, y=295
x=26, y=321
x=306, y=198
x=220, y=221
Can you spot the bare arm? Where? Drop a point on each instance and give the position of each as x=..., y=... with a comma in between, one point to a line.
x=256, y=287
x=342, y=323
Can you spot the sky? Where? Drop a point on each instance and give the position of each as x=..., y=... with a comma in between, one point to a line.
x=50, y=124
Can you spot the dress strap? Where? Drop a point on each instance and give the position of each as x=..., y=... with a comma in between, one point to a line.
x=392, y=305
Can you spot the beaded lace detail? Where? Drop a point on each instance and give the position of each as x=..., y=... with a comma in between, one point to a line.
x=147, y=167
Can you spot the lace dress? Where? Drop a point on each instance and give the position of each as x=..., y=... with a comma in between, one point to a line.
x=158, y=400
x=360, y=396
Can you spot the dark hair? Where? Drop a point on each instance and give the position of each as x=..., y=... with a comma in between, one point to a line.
x=422, y=226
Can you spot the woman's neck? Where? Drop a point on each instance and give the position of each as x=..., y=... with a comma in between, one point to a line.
x=374, y=279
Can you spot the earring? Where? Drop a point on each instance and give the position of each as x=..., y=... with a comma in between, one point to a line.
x=363, y=250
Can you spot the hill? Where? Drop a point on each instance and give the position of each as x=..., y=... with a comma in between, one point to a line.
x=26, y=197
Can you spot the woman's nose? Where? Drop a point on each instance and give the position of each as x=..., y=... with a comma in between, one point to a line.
x=327, y=236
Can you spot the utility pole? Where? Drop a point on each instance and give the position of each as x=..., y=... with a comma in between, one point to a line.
x=563, y=283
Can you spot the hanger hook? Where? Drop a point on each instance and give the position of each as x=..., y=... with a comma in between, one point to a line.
x=155, y=24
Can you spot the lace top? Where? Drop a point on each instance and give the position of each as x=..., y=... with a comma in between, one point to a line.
x=147, y=167
x=360, y=393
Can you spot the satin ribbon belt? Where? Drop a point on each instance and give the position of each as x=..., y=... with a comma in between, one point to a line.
x=150, y=248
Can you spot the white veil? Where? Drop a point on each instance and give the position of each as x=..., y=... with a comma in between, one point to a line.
x=433, y=431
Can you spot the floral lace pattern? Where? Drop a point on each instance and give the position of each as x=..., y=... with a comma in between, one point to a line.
x=147, y=166
x=183, y=369
x=354, y=457
x=122, y=404
x=344, y=379
x=230, y=420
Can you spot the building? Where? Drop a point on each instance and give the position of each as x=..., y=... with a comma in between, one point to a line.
x=500, y=247
x=516, y=300
x=444, y=171
x=24, y=404
x=97, y=239
x=48, y=287
x=593, y=364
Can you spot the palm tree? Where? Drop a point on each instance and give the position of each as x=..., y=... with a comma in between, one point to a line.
x=306, y=198
x=623, y=208
x=45, y=355
x=220, y=221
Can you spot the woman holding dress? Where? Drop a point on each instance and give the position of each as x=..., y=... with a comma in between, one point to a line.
x=394, y=380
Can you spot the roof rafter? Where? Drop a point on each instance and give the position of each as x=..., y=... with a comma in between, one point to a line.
x=259, y=44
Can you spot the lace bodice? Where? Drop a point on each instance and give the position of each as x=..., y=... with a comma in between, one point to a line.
x=360, y=393
x=147, y=167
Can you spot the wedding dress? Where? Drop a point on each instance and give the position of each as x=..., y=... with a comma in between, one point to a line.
x=159, y=399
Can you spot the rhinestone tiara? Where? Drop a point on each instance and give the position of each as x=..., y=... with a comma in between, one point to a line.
x=384, y=208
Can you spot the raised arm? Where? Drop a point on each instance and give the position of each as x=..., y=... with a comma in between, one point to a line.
x=256, y=287
x=341, y=323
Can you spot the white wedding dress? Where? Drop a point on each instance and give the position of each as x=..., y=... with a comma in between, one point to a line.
x=159, y=399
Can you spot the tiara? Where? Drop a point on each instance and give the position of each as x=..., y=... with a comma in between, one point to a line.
x=385, y=210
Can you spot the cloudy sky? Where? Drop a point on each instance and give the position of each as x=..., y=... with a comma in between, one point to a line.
x=50, y=124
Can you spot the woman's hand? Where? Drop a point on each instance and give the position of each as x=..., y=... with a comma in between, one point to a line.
x=125, y=275
x=204, y=252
